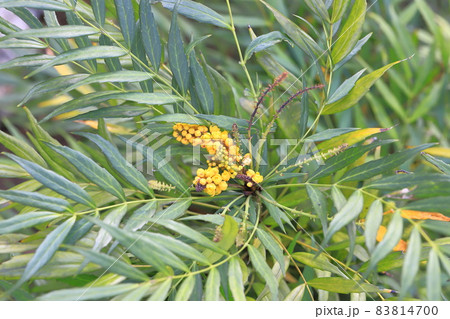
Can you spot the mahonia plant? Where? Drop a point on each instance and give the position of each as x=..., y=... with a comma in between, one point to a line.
x=225, y=159
x=339, y=212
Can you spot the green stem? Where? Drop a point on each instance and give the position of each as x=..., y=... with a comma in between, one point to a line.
x=241, y=57
x=135, y=58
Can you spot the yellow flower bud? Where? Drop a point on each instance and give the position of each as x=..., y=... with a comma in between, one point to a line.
x=217, y=179
x=226, y=176
x=200, y=172
x=223, y=185
x=250, y=173
x=257, y=178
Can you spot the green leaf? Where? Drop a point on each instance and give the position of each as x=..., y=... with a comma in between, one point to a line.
x=141, y=216
x=36, y=200
x=149, y=34
x=51, y=85
x=21, y=44
x=224, y=121
x=99, y=9
x=166, y=170
x=88, y=293
x=93, y=172
x=97, y=97
x=441, y=165
x=41, y=4
x=338, y=9
x=125, y=13
x=108, y=77
x=27, y=60
x=61, y=32
x=319, y=8
x=353, y=52
x=113, y=218
x=201, y=85
x=319, y=203
x=317, y=262
x=55, y=182
x=177, y=58
x=272, y=246
x=389, y=162
x=411, y=263
x=277, y=214
x=163, y=290
x=62, y=264
x=350, y=31
x=263, y=42
x=229, y=230
x=176, y=118
x=400, y=181
x=175, y=210
x=345, y=87
x=111, y=264
x=136, y=294
x=143, y=248
x=129, y=172
x=433, y=204
x=341, y=285
x=113, y=112
x=89, y=53
x=345, y=215
x=46, y=250
x=235, y=279
x=189, y=233
x=177, y=246
x=18, y=222
x=21, y=149
x=300, y=37
x=196, y=11
x=296, y=294
x=344, y=159
x=433, y=277
x=361, y=87
x=390, y=240
x=212, y=286
x=185, y=290
x=259, y=262
x=372, y=224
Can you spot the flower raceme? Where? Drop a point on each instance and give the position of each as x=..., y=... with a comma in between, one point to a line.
x=225, y=158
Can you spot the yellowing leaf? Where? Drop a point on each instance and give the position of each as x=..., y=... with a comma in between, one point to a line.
x=64, y=69
x=349, y=138
x=56, y=101
x=438, y=151
x=401, y=245
x=416, y=214
x=113, y=128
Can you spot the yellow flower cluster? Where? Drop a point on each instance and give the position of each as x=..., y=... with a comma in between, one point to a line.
x=187, y=133
x=225, y=161
x=255, y=176
x=212, y=180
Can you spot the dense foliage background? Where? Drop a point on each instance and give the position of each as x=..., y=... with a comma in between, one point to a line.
x=354, y=201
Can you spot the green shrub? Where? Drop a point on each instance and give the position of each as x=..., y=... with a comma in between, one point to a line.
x=289, y=205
